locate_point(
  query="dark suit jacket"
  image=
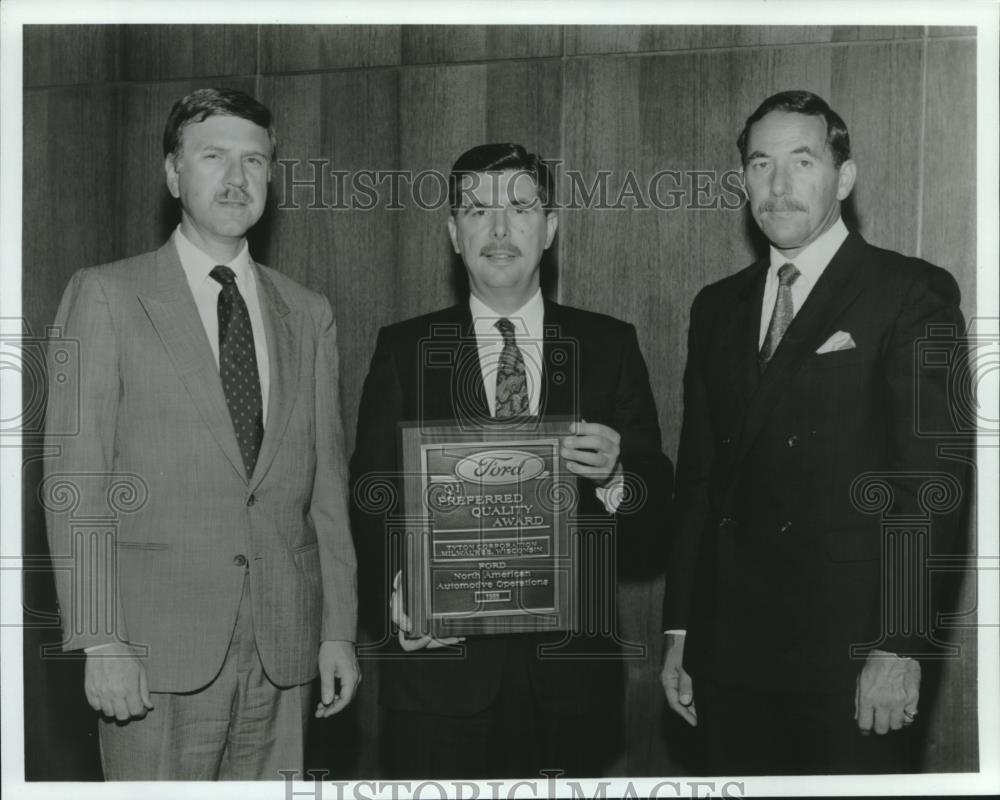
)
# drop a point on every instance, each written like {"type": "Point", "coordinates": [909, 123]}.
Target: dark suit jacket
{"type": "Point", "coordinates": [776, 569]}
{"type": "Point", "coordinates": [603, 379]}
{"type": "Point", "coordinates": [155, 444]}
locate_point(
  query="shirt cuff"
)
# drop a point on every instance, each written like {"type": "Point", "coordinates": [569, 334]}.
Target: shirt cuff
{"type": "Point", "coordinates": [612, 492]}
{"type": "Point", "coordinates": [676, 632]}
{"type": "Point", "coordinates": [96, 647]}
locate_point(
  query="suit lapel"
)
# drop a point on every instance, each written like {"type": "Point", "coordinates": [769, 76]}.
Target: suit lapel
{"type": "Point", "coordinates": [449, 378]}
{"type": "Point", "coordinates": [282, 328]}
{"type": "Point", "coordinates": [172, 312]}
{"type": "Point", "coordinates": [837, 288]}
{"type": "Point", "coordinates": [746, 330]}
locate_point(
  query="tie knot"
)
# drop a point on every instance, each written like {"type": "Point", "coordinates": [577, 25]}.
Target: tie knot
{"type": "Point", "coordinates": [506, 328]}
{"type": "Point", "coordinates": [223, 275]}
{"type": "Point", "coordinates": [787, 274]}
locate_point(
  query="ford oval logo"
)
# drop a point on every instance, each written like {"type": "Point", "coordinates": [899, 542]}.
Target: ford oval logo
{"type": "Point", "coordinates": [500, 466]}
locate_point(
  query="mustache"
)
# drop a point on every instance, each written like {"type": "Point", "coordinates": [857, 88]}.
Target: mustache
{"type": "Point", "coordinates": [507, 249]}
{"type": "Point", "coordinates": [233, 195]}
{"type": "Point", "coordinates": [787, 204]}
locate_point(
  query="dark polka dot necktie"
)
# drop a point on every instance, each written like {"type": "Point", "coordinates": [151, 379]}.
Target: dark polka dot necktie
{"type": "Point", "coordinates": [238, 368]}
{"type": "Point", "coordinates": [784, 311]}
{"type": "Point", "coordinates": [512, 382]}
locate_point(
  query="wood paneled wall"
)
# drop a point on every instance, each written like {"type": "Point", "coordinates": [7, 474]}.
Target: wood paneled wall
{"type": "Point", "coordinates": [632, 100]}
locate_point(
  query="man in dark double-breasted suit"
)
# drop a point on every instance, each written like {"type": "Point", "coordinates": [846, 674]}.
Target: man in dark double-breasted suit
{"type": "Point", "coordinates": [809, 420]}
{"type": "Point", "coordinates": [502, 706]}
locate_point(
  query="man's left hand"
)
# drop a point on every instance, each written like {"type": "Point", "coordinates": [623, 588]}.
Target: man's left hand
{"type": "Point", "coordinates": [592, 451]}
{"type": "Point", "coordinates": [337, 662]}
{"type": "Point", "coordinates": [888, 690]}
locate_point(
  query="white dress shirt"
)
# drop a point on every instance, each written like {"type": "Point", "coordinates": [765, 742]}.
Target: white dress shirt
{"type": "Point", "coordinates": [810, 263]}
{"type": "Point", "coordinates": [197, 266]}
{"type": "Point", "coordinates": [528, 321]}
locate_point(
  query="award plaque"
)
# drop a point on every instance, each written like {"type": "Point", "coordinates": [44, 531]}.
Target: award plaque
{"type": "Point", "coordinates": [487, 545]}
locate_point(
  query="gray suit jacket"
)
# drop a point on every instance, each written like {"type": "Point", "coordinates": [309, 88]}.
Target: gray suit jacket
{"type": "Point", "coordinates": [150, 513]}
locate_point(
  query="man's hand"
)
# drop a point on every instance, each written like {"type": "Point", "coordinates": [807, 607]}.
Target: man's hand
{"type": "Point", "coordinates": [676, 682]}
{"type": "Point", "coordinates": [592, 451]}
{"type": "Point", "coordinates": [888, 690]}
{"type": "Point", "coordinates": [115, 682]}
{"type": "Point", "coordinates": [336, 662]}
{"type": "Point", "coordinates": [402, 621]}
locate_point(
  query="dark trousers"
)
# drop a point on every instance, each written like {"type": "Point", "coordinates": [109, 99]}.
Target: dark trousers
{"type": "Point", "coordinates": [513, 737]}
{"type": "Point", "coordinates": [744, 732]}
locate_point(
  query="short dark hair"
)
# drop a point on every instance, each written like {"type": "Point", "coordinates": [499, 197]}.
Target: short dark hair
{"type": "Point", "coordinates": [204, 103]}
{"type": "Point", "coordinates": [802, 102]}
{"type": "Point", "coordinates": [498, 158]}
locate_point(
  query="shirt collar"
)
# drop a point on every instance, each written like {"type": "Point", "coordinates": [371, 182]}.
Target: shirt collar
{"type": "Point", "coordinates": [198, 264]}
{"type": "Point", "coordinates": [818, 254]}
{"type": "Point", "coordinates": [527, 319]}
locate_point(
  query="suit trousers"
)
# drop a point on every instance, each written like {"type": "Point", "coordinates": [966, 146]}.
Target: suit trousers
{"type": "Point", "coordinates": [746, 732]}
{"type": "Point", "coordinates": [239, 727]}
{"type": "Point", "coordinates": [513, 737]}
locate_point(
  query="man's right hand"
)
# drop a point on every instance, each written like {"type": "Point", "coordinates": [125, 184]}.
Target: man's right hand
{"type": "Point", "coordinates": [115, 682]}
{"type": "Point", "coordinates": [402, 621]}
{"type": "Point", "coordinates": [676, 682]}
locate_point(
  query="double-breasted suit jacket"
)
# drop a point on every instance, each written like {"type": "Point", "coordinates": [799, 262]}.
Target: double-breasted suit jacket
{"type": "Point", "coordinates": [777, 566]}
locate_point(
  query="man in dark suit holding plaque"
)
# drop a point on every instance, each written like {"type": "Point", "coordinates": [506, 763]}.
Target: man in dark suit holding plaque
{"type": "Point", "coordinates": [811, 479]}
{"type": "Point", "coordinates": [500, 705]}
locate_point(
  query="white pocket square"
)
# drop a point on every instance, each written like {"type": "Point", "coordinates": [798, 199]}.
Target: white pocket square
{"type": "Point", "coordinates": [841, 340]}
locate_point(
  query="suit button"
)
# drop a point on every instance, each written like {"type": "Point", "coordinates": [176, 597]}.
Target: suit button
{"type": "Point", "coordinates": [785, 527]}
{"type": "Point", "coordinates": [240, 560]}
{"type": "Point", "coordinates": [727, 441]}
{"type": "Point", "coordinates": [725, 522]}
{"type": "Point", "coordinates": [793, 440]}
{"type": "Point", "coordinates": [251, 500]}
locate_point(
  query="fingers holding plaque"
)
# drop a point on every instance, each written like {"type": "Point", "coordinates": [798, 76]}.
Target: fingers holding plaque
{"type": "Point", "coordinates": [487, 529]}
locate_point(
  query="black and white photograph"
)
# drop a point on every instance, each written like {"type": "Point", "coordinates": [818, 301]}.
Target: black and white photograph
{"type": "Point", "coordinates": [496, 401]}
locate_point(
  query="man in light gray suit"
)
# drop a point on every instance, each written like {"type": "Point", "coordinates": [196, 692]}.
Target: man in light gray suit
{"type": "Point", "coordinates": [211, 383]}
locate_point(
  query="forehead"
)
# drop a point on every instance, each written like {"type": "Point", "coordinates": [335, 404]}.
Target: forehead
{"type": "Point", "coordinates": [784, 131]}
{"type": "Point", "coordinates": [498, 188]}
{"type": "Point", "coordinates": [226, 132]}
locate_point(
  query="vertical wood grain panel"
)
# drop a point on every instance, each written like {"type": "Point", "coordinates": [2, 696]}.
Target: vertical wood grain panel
{"type": "Point", "coordinates": [70, 54]}
{"type": "Point", "coordinates": [164, 52]}
{"type": "Point", "coordinates": [71, 207]}
{"type": "Point", "coordinates": [437, 44]}
{"type": "Point", "coordinates": [348, 121]}
{"type": "Point", "coordinates": [949, 191]}
{"type": "Point", "coordinates": [883, 118]}
{"type": "Point", "coordinates": [604, 39]}
{"type": "Point", "coordinates": [610, 260]}
{"type": "Point", "coordinates": [309, 48]}
{"type": "Point", "coordinates": [443, 111]}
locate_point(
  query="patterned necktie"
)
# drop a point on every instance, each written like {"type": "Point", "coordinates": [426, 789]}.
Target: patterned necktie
{"type": "Point", "coordinates": [784, 311]}
{"type": "Point", "coordinates": [238, 368]}
{"type": "Point", "coordinates": [512, 383]}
